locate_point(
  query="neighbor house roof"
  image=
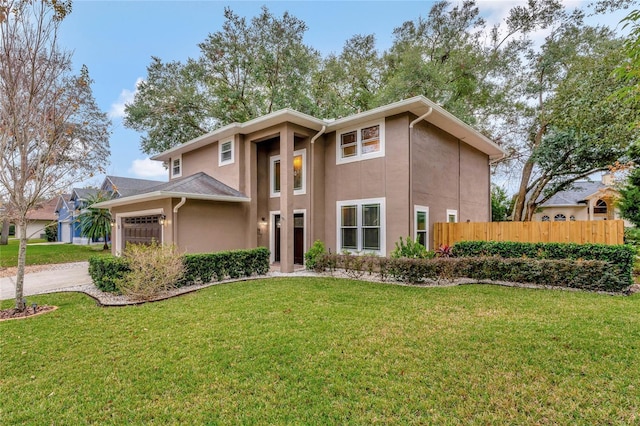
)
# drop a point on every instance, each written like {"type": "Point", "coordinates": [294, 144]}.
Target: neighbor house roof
{"type": "Point", "coordinates": [576, 195]}
{"type": "Point", "coordinates": [124, 186]}
{"type": "Point", "coordinates": [63, 200]}
{"type": "Point", "coordinates": [199, 186]}
{"type": "Point", "coordinates": [44, 211]}
{"type": "Point", "coordinates": [83, 193]}
{"type": "Point", "coordinates": [418, 105]}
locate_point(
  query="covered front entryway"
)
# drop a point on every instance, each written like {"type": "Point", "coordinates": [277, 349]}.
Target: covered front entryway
{"type": "Point", "coordinates": [141, 230]}
{"type": "Point", "coordinates": [298, 238]}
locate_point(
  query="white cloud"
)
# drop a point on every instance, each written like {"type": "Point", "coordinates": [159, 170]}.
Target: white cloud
{"type": "Point", "coordinates": [126, 97]}
{"type": "Point", "coordinates": [148, 168]}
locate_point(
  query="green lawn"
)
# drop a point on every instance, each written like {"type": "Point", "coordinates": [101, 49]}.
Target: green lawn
{"type": "Point", "coordinates": [38, 254]}
{"type": "Point", "coordinates": [327, 351]}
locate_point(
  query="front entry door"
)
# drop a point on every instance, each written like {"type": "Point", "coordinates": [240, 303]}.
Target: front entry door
{"type": "Point", "coordinates": [298, 238]}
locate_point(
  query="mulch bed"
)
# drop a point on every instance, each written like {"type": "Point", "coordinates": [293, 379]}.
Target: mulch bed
{"type": "Point", "coordinates": [9, 314]}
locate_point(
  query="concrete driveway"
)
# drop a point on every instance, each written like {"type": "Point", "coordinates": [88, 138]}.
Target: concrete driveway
{"type": "Point", "coordinates": [56, 278]}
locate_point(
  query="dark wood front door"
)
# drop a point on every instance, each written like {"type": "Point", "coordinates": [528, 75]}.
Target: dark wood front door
{"type": "Point", "coordinates": [298, 238]}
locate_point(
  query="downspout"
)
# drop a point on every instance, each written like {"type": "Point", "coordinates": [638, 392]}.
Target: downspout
{"type": "Point", "coordinates": [175, 219]}
{"type": "Point", "coordinates": [413, 123]}
{"type": "Point", "coordinates": [312, 191]}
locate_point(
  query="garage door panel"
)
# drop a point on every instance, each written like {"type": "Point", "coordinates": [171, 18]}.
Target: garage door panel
{"type": "Point", "coordinates": [141, 229]}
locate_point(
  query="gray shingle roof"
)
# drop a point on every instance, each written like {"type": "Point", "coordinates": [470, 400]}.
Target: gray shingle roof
{"type": "Point", "coordinates": [579, 192]}
{"type": "Point", "coordinates": [83, 193]}
{"type": "Point", "coordinates": [125, 186]}
{"type": "Point", "coordinates": [197, 184]}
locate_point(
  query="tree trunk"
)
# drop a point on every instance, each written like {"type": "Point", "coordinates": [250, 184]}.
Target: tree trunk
{"type": "Point", "coordinates": [22, 257]}
{"type": "Point", "coordinates": [4, 238]}
{"type": "Point", "coordinates": [518, 210]}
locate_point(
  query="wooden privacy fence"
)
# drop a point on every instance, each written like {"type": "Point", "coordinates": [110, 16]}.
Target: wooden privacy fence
{"type": "Point", "coordinates": [596, 231]}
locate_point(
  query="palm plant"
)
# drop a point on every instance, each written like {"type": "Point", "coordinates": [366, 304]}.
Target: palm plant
{"type": "Point", "coordinates": [96, 223]}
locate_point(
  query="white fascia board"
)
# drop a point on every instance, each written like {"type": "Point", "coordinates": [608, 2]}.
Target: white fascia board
{"type": "Point", "coordinates": [441, 118]}
{"type": "Point", "coordinates": [259, 123]}
{"type": "Point", "coordinates": [159, 195]}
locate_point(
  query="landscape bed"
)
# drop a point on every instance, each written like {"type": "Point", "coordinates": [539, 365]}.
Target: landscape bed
{"type": "Point", "coordinates": [327, 350]}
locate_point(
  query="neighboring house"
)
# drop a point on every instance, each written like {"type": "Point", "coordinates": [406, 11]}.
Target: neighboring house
{"type": "Point", "coordinates": [65, 215]}
{"type": "Point", "coordinates": [286, 179]}
{"type": "Point", "coordinates": [70, 206]}
{"type": "Point", "coordinates": [587, 200]}
{"type": "Point", "coordinates": [39, 218]}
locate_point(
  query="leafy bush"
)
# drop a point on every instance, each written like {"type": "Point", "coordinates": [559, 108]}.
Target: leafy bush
{"type": "Point", "coordinates": [51, 232]}
{"type": "Point", "coordinates": [314, 253]}
{"type": "Point", "coordinates": [444, 251]}
{"type": "Point", "coordinates": [207, 267]}
{"type": "Point", "coordinates": [620, 257]}
{"type": "Point", "coordinates": [410, 249]}
{"type": "Point", "coordinates": [105, 271]}
{"type": "Point", "coordinates": [594, 275]}
{"type": "Point", "coordinates": [153, 269]}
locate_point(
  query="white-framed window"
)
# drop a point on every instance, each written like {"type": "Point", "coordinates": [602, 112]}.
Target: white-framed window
{"type": "Point", "coordinates": [572, 218]}
{"type": "Point", "coordinates": [226, 153]}
{"type": "Point", "coordinates": [299, 173]}
{"type": "Point", "coordinates": [176, 167]}
{"type": "Point", "coordinates": [361, 225]}
{"type": "Point", "coordinates": [452, 216]}
{"type": "Point", "coordinates": [559, 218]}
{"type": "Point", "coordinates": [365, 142]}
{"type": "Point", "coordinates": [545, 218]}
{"type": "Point", "coordinates": [421, 225]}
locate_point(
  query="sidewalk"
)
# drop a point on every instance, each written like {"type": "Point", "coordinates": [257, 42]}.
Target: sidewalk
{"type": "Point", "coordinates": [57, 277]}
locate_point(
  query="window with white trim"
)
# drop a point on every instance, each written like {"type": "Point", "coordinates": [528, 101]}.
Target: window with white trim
{"type": "Point", "coordinates": [299, 173]}
{"type": "Point", "coordinates": [176, 167]}
{"type": "Point", "coordinates": [226, 153]}
{"type": "Point", "coordinates": [421, 225]}
{"type": "Point", "coordinates": [361, 225]}
{"type": "Point", "coordinates": [559, 218]}
{"type": "Point", "coordinates": [452, 216]}
{"type": "Point", "coordinates": [545, 218]}
{"type": "Point", "coordinates": [361, 143]}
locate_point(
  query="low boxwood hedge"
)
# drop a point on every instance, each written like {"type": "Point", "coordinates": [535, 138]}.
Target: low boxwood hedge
{"type": "Point", "coordinates": [199, 268]}
{"type": "Point", "coordinates": [620, 258]}
{"type": "Point", "coordinates": [592, 275]}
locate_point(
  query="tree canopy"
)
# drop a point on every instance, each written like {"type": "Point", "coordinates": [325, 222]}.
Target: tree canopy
{"type": "Point", "coordinates": [547, 103]}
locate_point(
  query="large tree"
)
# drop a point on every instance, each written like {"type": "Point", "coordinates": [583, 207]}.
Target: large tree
{"type": "Point", "coordinates": [573, 126]}
{"type": "Point", "coordinates": [52, 133]}
{"type": "Point", "coordinates": [245, 70]}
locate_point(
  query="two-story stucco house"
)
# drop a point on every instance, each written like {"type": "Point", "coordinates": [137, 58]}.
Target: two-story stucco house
{"type": "Point", "coordinates": [286, 179]}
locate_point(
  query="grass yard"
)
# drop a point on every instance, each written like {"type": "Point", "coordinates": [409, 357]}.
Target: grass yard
{"type": "Point", "coordinates": [327, 351]}
{"type": "Point", "coordinates": [42, 254]}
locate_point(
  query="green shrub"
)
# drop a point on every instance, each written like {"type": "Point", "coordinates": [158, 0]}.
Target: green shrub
{"type": "Point", "coordinates": [105, 271]}
{"type": "Point", "coordinates": [314, 253]}
{"type": "Point", "coordinates": [208, 267]}
{"type": "Point", "coordinates": [153, 269]}
{"type": "Point", "coordinates": [593, 275]}
{"type": "Point", "coordinates": [410, 249]}
{"type": "Point", "coordinates": [620, 257]}
{"type": "Point", "coordinates": [51, 232]}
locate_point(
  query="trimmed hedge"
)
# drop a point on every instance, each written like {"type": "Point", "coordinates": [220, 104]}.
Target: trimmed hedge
{"type": "Point", "coordinates": [620, 258]}
{"type": "Point", "coordinates": [593, 275]}
{"type": "Point", "coordinates": [199, 268]}
{"type": "Point", "coordinates": [207, 267]}
{"type": "Point", "coordinates": [106, 270]}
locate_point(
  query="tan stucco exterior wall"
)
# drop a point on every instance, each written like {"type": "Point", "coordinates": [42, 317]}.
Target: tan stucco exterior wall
{"type": "Point", "coordinates": [207, 226]}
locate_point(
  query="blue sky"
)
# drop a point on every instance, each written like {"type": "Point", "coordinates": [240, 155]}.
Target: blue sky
{"type": "Point", "coordinates": [116, 40]}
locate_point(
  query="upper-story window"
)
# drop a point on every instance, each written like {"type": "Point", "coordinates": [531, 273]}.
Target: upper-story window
{"type": "Point", "coordinates": [226, 153]}
{"type": "Point", "coordinates": [361, 143]}
{"type": "Point", "coordinates": [176, 167]}
{"type": "Point", "coordinates": [299, 172]}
